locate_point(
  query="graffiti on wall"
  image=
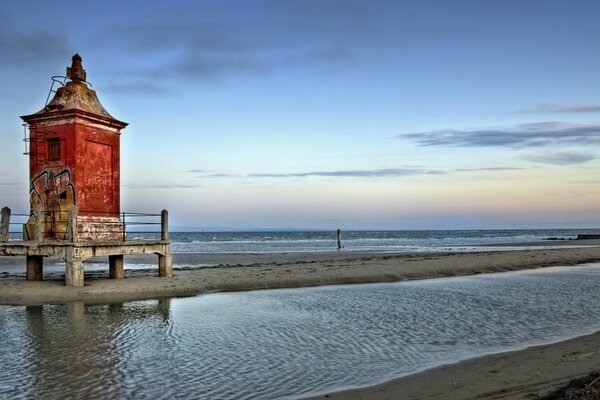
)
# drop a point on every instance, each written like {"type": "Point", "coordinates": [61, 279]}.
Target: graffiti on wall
{"type": "Point", "coordinates": [52, 193]}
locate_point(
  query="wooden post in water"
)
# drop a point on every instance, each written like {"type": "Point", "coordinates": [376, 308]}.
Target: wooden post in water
{"type": "Point", "coordinates": [338, 236]}
{"type": "Point", "coordinates": [4, 224]}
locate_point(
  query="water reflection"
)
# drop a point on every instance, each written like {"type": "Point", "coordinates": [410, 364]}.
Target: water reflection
{"type": "Point", "coordinates": [83, 350]}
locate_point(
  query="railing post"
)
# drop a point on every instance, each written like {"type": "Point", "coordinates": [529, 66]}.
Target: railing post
{"type": "Point", "coordinates": [164, 225]}
{"type": "Point", "coordinates": [4, 224]}
{"type": "Point", "coordinates": [38, 235]}
{"type": "Point", "coordinates": [165, 260]}
{"type": "Point", "coordinates": [124, 227]}
{"type": "Point", "coordinates": [71, 235]}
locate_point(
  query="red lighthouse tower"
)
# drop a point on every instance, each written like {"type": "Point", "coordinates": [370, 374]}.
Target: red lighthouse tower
{"type": "Point", "coordinates": [74, 165]}
{"type": "Point", "coordinates": [75, 188]}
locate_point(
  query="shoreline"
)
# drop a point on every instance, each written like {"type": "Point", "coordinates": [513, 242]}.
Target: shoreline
{"type": "Point", "coordinates": [518, 374]}
{"type": "Point", "coordinates": [238, 272]}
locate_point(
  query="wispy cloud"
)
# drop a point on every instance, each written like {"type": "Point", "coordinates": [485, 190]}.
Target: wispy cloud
{"type": "Point", "coordinates": [560, 158]}
{"type": "Point", "coordinates": [564, 108]}
{"type": "Point", "coordinates": [518, 136]}
{"type": "Point", "coordinates": [586, 182]}
{"type": "Point", "coordinates": [137, 88]}
{"type": "Point", "coordinates": [374, 173]}
{"type": "Point", "coordinates": [206, 43]}
{"type": "Point", "coordinates": [199, 171]}
{"type": "Point", "coordinates": [209, 41]}
{"type": "Point", "coordinates": [489, 169]}
{"type": "Point", "coordinates": [223, 175]}
{"type": "Point", "coordinates": [203, 173]}
{"type": "Point", "coordinates": [165, 186]}
{"type": "Point", "coordinates": [197, 65]}
{"type": "Point", "coordinates": [30, 45]}
{"type": "Point", "coordinates": [359, 173]}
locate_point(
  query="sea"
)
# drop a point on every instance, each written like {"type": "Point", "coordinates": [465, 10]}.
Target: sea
{"type": "Point", "coordinates": [357, 240]}
{"type": "Point", "coordinates": [281, 241]}
{"type": "Point", "coordinates": [286, 343]}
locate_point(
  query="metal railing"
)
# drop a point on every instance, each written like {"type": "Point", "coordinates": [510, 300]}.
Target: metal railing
{"type": "Point", "coordinates": [6, 223]}
{"type": "Point", "coordinates": [75, 225]}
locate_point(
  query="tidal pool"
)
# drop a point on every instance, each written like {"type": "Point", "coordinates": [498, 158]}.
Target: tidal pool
{"type": "Point", "coordinates": [286, 343]}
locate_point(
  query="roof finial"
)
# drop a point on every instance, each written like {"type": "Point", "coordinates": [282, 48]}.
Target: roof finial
{"type": "Point", "coordinates": [76, 71]}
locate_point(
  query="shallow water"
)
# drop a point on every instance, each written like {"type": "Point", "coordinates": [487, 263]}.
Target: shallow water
{"type": "Point", "coordinates": [325, 241]}
{"type": "Point", "coordinates": [286, 343]}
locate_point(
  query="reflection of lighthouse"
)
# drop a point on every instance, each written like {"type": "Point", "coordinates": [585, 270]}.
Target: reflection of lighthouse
{"type": "Point", "coordinates": [68, 345]}
{"type": "Point", "coordinates": [74, 161]}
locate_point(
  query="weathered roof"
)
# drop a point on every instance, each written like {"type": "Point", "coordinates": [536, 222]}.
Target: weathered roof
{"type": "Point", "coordinates": [75, 95]}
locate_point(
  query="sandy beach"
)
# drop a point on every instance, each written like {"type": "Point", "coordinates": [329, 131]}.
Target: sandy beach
{"type": "Point", "coordinates": [513, 375]}
{"type": "Point", "coordinates": [231, 272]}
{"type": "Point", "coordinates": [523, 374]}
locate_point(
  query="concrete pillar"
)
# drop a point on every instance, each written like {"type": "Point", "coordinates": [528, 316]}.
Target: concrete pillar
{"type": "Point", "coordinates": [74, 273]}
{"type": "Point", "coordinates": [115, 267]}
{"type": "Point", "coordinates": [165, 265]}
{"type": "Point", "coordinates": [73, 268]}
{"type": "Point", "coordinates": [38, 234]}
{"type": "Point", "coordinates": [71, 234]}
{"type": "Point", "coordinates": [35, 268]}
{"type": "Point", "coordinates": [4, 224]}
{"type": "Point", "coordinates": [164, 225]}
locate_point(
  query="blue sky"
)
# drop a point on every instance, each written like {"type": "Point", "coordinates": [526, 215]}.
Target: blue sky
{"type": "Point", "coordinates": [325, 114]}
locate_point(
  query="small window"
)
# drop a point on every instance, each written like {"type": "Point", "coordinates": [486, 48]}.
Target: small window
{"type": "Point", "coordinates": [54, 149]}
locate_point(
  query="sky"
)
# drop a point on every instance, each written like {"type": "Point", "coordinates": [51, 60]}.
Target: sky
{"type": "Point", "coordinates": [447, 114]}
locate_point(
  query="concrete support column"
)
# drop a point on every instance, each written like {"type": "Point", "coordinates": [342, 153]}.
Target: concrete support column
{"type": "Point", "coordinates": [35, 268]}
{"type": "Point", "coordinates": [4, 224]}
{"type": "Point", "coordinates": [73, 268]}
{"type": "Point", "coordinates": [38, 234]}
{"type": "Point", "coordinates": [71, 233]}
{"type": "Point", "coordinates": [115, 267]}
{"type": "Point", "coordinates": [165, 265]}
